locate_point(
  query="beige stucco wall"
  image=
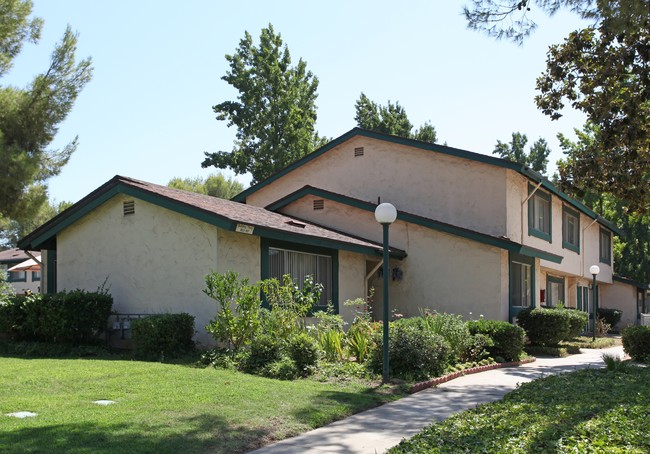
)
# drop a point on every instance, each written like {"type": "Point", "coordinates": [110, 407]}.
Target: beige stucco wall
{"type": "Point", "coordinates": [573, 264]}
{"type": "Point", "coordinates": [622, 296]}
{"type": "Point", "coordinates": [154, 261]}
{"type": "Point", "coordinates": [458, 191]}
{"type": "Point", "coordinates": [352, 277]}
{"type": "Point", "coordinates": [442, 272]}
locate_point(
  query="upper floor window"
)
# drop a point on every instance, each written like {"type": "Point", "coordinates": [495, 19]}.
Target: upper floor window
{"type": "Point", "coordinates": [570, 230]}
{"type": "Point", "coordinates": [605, 247]}
{"type": "Point", "coordinates": [539, 215]}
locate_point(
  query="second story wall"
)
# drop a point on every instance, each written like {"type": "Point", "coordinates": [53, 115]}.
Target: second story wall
{"type": "Point", "coordinates": [562, 230]}
{"type": "Point", "coordinates": [435, 185]}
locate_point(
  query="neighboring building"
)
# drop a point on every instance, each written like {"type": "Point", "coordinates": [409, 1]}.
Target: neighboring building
{"type": "Point", "coordinates": [474, 235]}
{"type": "Point", "coordinates": [22, 281]}
{"type": "Point", "coordinates": [628, 296]}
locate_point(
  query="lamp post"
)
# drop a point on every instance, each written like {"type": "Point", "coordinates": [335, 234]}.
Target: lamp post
{"type": "Point", "coordinates": [385, 214]}
{"type": "Point", "coordinates": [594, 270]}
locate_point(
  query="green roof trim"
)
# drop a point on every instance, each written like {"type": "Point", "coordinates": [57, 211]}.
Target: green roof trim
{"type": "Point", "coordinates": [631, 282]}
{"type": "Point", "coordinates": [483, 238]}
{"type": "Point", "coordinates": [457, 152]}
{"type": "Point", "coordinates": [45, 235]}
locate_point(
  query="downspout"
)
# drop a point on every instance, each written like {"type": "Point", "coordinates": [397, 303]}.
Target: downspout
{"type": "Point", "coordinates": [582, 262]}
{"type": "Point", "coordinates": [374, 270]}
{"type": "Point", "coordinates": [522, 209]}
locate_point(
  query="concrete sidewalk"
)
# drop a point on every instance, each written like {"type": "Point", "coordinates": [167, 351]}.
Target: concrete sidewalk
{"type": "Point", "coordinates": [378, 429]}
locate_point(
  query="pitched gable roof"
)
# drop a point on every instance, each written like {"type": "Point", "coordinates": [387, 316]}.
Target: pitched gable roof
{"type": "Point", "coordinates": [491, 240]}
{"type": "Point", "coordinates": [222, 213]}
{"type": "Point", "coordinates": [15, 255]}
{"type": "Point", "coordinates": [436, 148]}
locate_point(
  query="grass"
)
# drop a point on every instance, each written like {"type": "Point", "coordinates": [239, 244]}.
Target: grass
{"type": "Point", "coordinates": [162, 408]}
{"type": "Point", "coordinates": [589, 411]}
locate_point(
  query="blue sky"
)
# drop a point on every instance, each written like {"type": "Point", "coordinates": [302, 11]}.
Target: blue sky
{"type": "Point", "coordinates": [147, 113]}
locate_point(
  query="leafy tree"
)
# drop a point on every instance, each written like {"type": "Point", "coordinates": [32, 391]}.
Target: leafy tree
{"type": "Point", "coordinates": [11, 230]}
{"type": "Point", "coordinates": [536, 158]}
{"type": "Point", "coordinates": [390, 119]}
{"type": "Point", "coordinates": [512, 19]}
{"type": "Point", "coordinates": [631, 252]}
{"type": "Point", "coordinates": [275, 111]}
{"type": "Point", "coordinates": [215, 185]}
{"type": "Point", "coordinates": [29, 117]}
{"type": "Point", "coordinates": [606, 75]}
{"type": "Point", "coordinates": [602, 70]}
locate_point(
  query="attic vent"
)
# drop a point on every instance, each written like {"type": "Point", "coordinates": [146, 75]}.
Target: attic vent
{"type": "Point", "coordinates": [129, 208]}
{"type": "Point", "coordinates": [319, 204]}
{"type": "Point", "coordinates": [358, 152]}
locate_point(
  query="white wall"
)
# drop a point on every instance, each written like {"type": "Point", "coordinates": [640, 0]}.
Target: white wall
{"type": "Point", "coordinates": [457, 191]}
{"type": "Point", "coordinates": [154, 261]}
{"type": "Point", "coordinates": [622, 296]}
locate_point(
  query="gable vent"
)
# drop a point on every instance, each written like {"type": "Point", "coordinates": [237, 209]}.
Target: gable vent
{"type": "Point", "coordinates": [129, 208]}
{"type": "Point", "coordinates": [319, 204]}
{"type": "Point", "coordinates": [358, 152]}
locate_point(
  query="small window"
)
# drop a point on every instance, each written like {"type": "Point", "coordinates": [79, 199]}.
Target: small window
{"type": "Point", "coordinates": [570, 230]}
{"type": "Point", "coordinates": [129, 208]}
{"type": "Point", "coordinates": [17, 276]}
{"type": "Point", "coordinates": [605, 247]}
{"type": "Point", "coordinates": [319, 204]}
{"type": "Point", "coordinates": [539, 215]}
{"type": "Point", "coordinates": [36, 276]}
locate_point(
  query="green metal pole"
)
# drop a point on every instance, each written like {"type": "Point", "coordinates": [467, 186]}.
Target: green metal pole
{"type": "Point", "coordinates": [385, 323]}
{"type": "Point", "coordinates": [593, 309]}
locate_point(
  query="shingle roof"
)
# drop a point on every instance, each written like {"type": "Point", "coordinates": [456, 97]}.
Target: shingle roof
{"type": "Point", "coordinates": [15, 255]}
{"type": "Point", "coordinates": [221, 212]}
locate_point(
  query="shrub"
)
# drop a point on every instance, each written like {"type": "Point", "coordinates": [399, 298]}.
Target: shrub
{"type": "Point", "coordinates": [636, 342]}
{"type": "Point", "coordinates": [162, 336]}
{"type": "Point", "coordinates": [238, 316]}
{"type": "Point", "coordinates": [414, 353]}
{"type": "Point", "coordinates": [74, 317]}
{"type": "Point", "coordinates": [577, 323]}
{"type": "Point", "coordinates": [282, 369]}
{"type": "Point", "coordinates": [265, 349]}
{"type": "Point", "coordinates": [545, 327]}
{"type": "Point", "coordinates": [476, 348]}
{"type": "Point", "coordinates": [303, 350]}
{"type": "Point", "coordinates": [610, 316]}
{"type": "Point", "coordinates": [452, 328]}
{"type": "Point", "coordinates": [508, 339]}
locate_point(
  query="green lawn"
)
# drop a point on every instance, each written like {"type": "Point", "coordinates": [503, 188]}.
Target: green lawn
{"type": "Point", "coordinates": [590, 411]}
{"type": "Point", "coordinates": [160, 408]}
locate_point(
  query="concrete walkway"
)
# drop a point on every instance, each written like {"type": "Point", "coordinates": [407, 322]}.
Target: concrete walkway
{"type": "Point", "coordinates": [376, 430]}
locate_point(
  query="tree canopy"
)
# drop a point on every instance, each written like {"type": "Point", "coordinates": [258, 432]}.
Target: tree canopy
{"type": "Point", "coordinates": [390, 119]}
{"type": "Point", "coordinates": [275, 111]}
{"type": "Point", "coordinates": [215, 185]}
{"type": "Point", "coordinates": [631, 252]}
{"type": "Point", "coordinates": [11, 230]}
{"type": "Point", "coordinates": [536, 158]}
{"type": "Point", "coordinates": [30, 116]}
{"type": "Point", "coordinates": [602, 70]}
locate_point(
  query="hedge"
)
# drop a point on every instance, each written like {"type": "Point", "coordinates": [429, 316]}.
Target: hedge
{"type": "Point", "coordinates": [610, 316]}
{"type": "Point", "coordinates": [74, 317]}
{"type": "Point", "coordinates": [636, 342]}
{"type": "Point", "coordinates": [157, 337]}
{"type": "Point", "coordinates": [550, 326]}
{"type": "Point", "coordinates": [508, 339]}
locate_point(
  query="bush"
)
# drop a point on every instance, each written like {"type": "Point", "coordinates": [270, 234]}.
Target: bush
{"type": "Point", "coordinates": [545, 327]}
{"type": "Point", "coordinates": [74, 317]}
{"type": "Point", "coordinates": [265, 349]}
{"type": "Point", "coordinates": [163, 336]}
{"type": "Point", "coordinates": [636, 342]}
{"type": "Point", "coordinates": [282, 369]}
{"type": "Point", "coordinates": [508, 339]}
{"type": "Point", "coordinates": [414, 353]}
{"type": "Point", "coordinates": [577, 322]}
{"type": "Point", "coordinates": [303, 350]}
{"type": "Point", "coordinates": [610, 316]}
{"type": "Point", "coordinates": [452, 328]}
